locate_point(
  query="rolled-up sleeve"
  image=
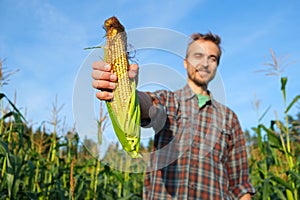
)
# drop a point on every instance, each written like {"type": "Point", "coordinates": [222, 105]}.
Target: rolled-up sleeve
{"type": "Point", "coordinates": [237, 164]}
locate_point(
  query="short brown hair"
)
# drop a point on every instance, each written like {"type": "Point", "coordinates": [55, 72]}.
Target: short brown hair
{"type": "Point", "coordinates": [209, 37]}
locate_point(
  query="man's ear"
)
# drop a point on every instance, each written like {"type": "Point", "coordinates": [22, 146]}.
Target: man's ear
{"type": "Point", "coordinates": [185, 63]}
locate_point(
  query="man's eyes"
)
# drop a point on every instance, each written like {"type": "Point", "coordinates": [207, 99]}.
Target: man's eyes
{"type": "Point", "coordinates": [209, 58]}
{"type": "Point", "coordinates": [198, 55]}
{"type": "Point", "coordinates": [212, 59]}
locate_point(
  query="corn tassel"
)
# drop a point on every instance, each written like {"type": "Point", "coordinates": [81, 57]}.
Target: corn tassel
{"type": "Point", "coordinates": [123, 109]}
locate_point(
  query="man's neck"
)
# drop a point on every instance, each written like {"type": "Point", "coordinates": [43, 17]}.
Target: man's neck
{"type": "Point", "coordinates": [198, 89]}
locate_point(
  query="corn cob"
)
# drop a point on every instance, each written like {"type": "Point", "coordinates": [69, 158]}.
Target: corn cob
{"type": "Point", "coordinates": [124, 108]}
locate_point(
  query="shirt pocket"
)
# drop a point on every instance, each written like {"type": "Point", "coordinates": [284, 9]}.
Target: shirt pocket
{"type": "Point", "coordinates": [176, 124]}
{"type": "Point", "coordinates": [173, 138]}
{"type": "Point", "coordinates": [223, 145]}
{"type": "Point", "coordinates": [206, 141]}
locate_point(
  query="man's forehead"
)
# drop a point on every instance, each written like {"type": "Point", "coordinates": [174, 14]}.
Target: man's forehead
{"type": "Point", "coordinates": [204, 46]}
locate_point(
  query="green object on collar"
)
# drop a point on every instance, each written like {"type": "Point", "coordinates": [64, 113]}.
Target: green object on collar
{"type": "Point", "coordinates": [202, 99]}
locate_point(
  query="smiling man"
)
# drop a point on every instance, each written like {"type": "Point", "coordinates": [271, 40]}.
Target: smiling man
{"type": "Point", "coordinates": [199, 149]}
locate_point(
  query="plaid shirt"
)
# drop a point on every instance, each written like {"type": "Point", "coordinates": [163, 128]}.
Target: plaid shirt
{"type": "Point", "coordinates": [199, 153]}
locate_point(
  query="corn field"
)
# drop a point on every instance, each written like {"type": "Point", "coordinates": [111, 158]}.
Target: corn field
{"type": "Point", "coordinates": [41, 164]}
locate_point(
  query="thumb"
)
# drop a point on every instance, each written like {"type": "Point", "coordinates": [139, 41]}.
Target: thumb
{"type": "Point", "coordinates": [133, 72]}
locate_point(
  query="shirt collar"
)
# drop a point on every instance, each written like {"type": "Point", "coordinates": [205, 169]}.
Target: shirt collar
{"type": "Point", "coordinates": [189, 94]}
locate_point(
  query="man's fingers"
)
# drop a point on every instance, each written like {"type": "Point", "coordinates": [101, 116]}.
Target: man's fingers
{"type": "Point", "coordinates": [102, 84]}
{"type": "Point", "coordinates": [102, 75]}
{"type": "Point", "coordinates": [103, 95]}
{"type": "Point", "coordinates": [104, 80]}
{"type": "Point", "coordinates": [133, 71]}
{"type": "Point", "coordinates": [102, 66]}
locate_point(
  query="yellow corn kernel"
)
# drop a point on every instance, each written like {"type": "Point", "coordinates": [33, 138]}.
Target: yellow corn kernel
{"type": "Point", "coordinates": [117, 58]}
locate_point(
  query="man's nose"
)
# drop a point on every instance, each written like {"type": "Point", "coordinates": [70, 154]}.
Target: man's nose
{"type": "Point", "coordinates": [204, 62]}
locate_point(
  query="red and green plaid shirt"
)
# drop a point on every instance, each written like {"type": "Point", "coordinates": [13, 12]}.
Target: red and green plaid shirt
{"type": "Point", "coordinates": [199, 153]}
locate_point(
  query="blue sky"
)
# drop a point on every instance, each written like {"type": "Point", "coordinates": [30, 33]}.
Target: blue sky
{"type": "Point", "coordinates": [45, 41]}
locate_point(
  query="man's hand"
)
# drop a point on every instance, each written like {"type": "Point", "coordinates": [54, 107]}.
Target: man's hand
{"type": "Point", "coordinates": [246, 197]}
{"type": "Point", "coordinates": [105, 81]}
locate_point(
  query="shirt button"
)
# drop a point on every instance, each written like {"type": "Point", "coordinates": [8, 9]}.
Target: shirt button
{"type": "Point", "coordinates": [192, 186]}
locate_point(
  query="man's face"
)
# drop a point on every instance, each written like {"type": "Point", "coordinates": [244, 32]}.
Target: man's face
{"type": "Point", "coordinates": [202, 61]}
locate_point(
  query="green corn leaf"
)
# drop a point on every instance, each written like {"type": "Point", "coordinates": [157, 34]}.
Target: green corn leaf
{"type": "Point", "coordinates": [128, 197]}
{"type": "Point", "coordinates": [261, 169]}
{"type": "Point", "coordinates": [283, 86]}
{"type": "Point", "coordinates": [3, 148]}
{"type": "Point", "coordinates": [10, 175]}
{"type": "Point", "coordinates": [2, 95]}
{"type": "Point", "coordinates": [292, 103]}
{"type": "Point", "coordinates": [279, 193]}
{"type": "Point", "coordinates": [282, 182]}
{"type": "Point", "coordinates": [10, 169]}
{"type": "Point", "coordinates": [257, 130]}
{"type": "Point", "coordinates": [7, 115]}
{"type": "Point", "coordinates": [127, 124]}
{"type": "Point", "coordinates": [295, 175]}
{"type": "Point", "coordinates": [96, 47]}
{"type": "Point", "coordinates": [12, 105]}
{"type": "Point", "coordinates": [273, 139]}
{"type": "Point", "coordinates": [290, 195]}
{"type": "Point", "coordinates": [264, 113]}
{"type": "Point", "coordinates": [266, 189]}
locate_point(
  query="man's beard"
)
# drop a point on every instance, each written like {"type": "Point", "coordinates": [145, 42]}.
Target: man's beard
{"type": "Point", "coordinates": [198, 82]}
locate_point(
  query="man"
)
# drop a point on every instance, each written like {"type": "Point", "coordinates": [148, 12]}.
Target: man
{"type": "Point", "coordinates": [199, 147]}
